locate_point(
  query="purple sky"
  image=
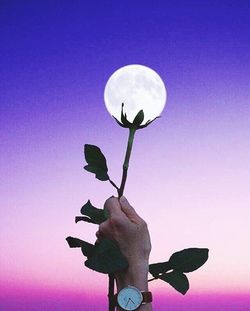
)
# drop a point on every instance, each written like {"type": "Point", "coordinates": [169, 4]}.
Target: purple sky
{"type": "Point", "coordinates": [190, 171]}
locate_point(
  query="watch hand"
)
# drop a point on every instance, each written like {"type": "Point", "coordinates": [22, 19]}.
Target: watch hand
{"type": "Point", "coordinates": [132, 301]}
{"type": "Point", "coordinates": [127, 303]}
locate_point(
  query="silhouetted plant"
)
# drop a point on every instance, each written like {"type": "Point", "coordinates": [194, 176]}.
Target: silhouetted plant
{"type": "Point", "coordinates": [104, 256]}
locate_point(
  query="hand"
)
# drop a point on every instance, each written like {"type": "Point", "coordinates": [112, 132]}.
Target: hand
{"type": "Point", "coordinates": [127, 229]}
{"type": "Point", "coordinates": [130, 232]}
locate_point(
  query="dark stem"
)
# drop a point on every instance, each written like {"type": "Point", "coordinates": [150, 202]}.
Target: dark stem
{"type": "Point", "coordinates": [113, 184]}
{"type": "Point", "coordinates": [151, 279]}
{"type": "Point", "coordinates": [126, 160]}
{"type": "Point", "coordinates": [120, 193]}
{"type": "Point", "coordinates": [111, 292]}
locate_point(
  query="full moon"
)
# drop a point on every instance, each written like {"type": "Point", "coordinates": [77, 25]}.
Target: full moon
{"type": "Point", "coordinates": [138, 87]}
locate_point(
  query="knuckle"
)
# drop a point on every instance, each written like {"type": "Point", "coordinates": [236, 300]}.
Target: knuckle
{"type": "Point", "coordinates": [115, 221]}
{"type": "Point", "coordinates": [102, 228]}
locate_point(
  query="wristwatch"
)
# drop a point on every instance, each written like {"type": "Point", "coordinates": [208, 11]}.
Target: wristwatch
{"type": "Point", "coordinates": [131, 298]}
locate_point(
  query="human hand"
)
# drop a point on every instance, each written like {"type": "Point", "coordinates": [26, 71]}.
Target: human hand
{"type": "Point", "coordinates": [127, 229]}
{"type": "Point", "coordinates": [130, 232]}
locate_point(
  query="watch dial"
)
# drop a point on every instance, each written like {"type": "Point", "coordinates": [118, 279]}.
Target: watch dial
{"type": "Point", "coordinates": [129, 298]}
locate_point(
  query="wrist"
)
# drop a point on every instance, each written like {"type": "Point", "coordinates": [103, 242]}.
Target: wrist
{"type": "Point", "coordinates": [135, 275]}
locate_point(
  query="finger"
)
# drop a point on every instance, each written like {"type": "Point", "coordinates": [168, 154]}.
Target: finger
{"type": "Point", "coordinates": [128, 210]}
{"type": "Point", "coordinates": [104, 231]}
{"type": "Point", "coordinates": [98, 234]}
{"type": "Point", "coordinates": [113, 206]}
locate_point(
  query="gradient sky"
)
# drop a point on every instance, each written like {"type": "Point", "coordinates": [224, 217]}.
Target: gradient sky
{"type": "Point", "coordinates": [190, 171]}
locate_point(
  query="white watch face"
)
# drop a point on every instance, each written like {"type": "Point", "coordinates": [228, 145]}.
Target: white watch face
{"type": "Point", "coordinates": [129, 298]}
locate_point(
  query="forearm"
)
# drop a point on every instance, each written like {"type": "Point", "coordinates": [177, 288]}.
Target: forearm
{"type": "Point", "coordinates": [136, 275]}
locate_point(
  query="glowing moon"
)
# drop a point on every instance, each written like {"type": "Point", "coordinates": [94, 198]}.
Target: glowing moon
{"type": "Point", "coordinates": [138, 87]}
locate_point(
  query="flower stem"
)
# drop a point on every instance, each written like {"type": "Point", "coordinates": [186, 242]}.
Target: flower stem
{"type": "Point", "coordinates": [111, 292]}
{"type": "Point", "coordinates": [113, 184]}
{"type": "Point", "coordinates": [120, 193]}
{"type": "Point", "coordinates": [132, 131]}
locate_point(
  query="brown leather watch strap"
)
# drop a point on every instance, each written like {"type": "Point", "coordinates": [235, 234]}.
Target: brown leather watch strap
{"type": "Point", "coordinates": [147, 297]}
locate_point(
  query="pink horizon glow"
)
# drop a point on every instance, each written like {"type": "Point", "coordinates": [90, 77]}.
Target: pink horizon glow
{"type": "Point", "coordinates": [31, 299]}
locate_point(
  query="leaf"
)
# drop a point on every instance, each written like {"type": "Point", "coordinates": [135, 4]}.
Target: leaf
{"type": "Point", "coordinates": [139, 118]}
{"type": "Point", "coordinates": [188, 259]}
{"type": "Point", "coordinates": [124, 119]}
{"type": "Point", "coordinates": [158, 268]}
{"type": "Point", "coordinates": [95, 215]}
{"type": "Point", "coordinates": [82, 218]}
{"type": "Point", "coordinates": [96, 162]}
{"type": "Point", "coordinates": [87, 248]}
{"type": "Point", "coordinates": [106, 258]}
{"type": "Point", "coordinates": [147, 123]}
{"type": "Point", "coordinates": [177, 280]}
{"type": "Point", "coordinates": [74, 242]}
{"type": "Point", "coordinates": [119, 122]}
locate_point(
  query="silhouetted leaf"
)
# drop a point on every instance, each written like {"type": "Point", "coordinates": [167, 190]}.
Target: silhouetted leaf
{"type": "Point", "coordinates": [119, 122]}
{"type": "Point", "coordinates": [159, 267]}
{"type": "Point", "coordinates": [74, 242]}
{"type": "Point", "coordinates": [106, 258]}
{"type": "Point", "coordinates": [139, 118]}
{"type": "Point", "coordinates": [95, 215]}
{"type": "Point", "coordinates": [96, 162]}
{"type": "Point", "coordinates": [147, 123]}
{"type": "Point", "coordinates": [177, 280]}
{"type": "Point", "coordinates": [188, 259]}
{"type": "Point", "coordinates": [87, 248]}
{"type": "Point", "coordinates": [124, 119]}
{"type": "Point", "coordinates": [82, 218]}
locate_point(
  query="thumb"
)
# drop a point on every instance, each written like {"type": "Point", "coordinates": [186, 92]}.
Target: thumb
{"type": "Point", "coordinates": [128, 210]}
